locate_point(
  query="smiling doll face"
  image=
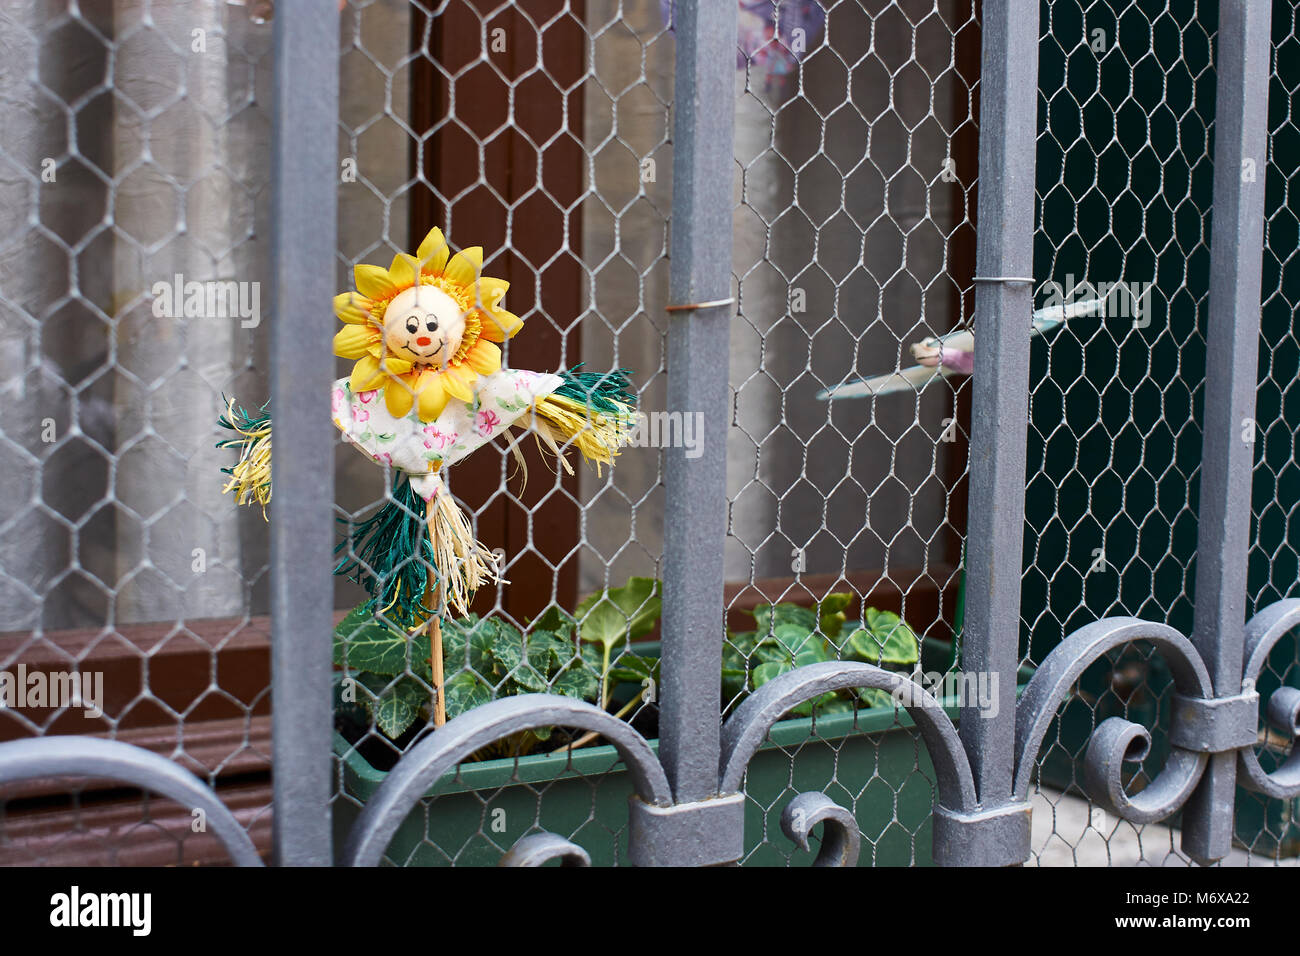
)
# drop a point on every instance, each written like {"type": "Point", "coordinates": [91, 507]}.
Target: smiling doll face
{"type": "Point", "coordinates": [423, 325]}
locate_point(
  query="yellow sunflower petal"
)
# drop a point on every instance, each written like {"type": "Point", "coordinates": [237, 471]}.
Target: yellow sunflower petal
{"type": "Point", "coordinates": [398, 397]}
{"type": "Point", "coordinates": [455, 385]}
{"type": "Point", "coordinates": [354, 341]}
{"type": "Point", "coordinates": [403, 271]}
{"type": "Point", "coordinates": [433, 251]}
{"type": "Point", "coordinates": [464, 373]}
{"type": "Point", "coordinates": [490, 292]}
{"type": "Point", "coordinates": [395, 366]}
{"type": "Point", "coordinates": [366, 374]}
{"type": "Point", "coordinates": [373, 282]}
{"type": "Point", "coordinates": [484, 358]}
{"type": "Point", "coordinates": [499, 325]}
{"type": "Point", "coordinates": [352, 308]}
{"type": "Point", "coordinates": [465, 265]}
{"type": "Point", "coordinates": [433, 396]}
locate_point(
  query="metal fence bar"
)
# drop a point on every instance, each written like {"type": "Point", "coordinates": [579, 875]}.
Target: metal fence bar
{"type": "Point", "coordinates": [1236, 251]}
{"type": "Point", "coordinates": [695, 517]}
{"type": "Point", "coordinates": [999, 418]}
{"type": "Point", "coordinates": [304, 166]}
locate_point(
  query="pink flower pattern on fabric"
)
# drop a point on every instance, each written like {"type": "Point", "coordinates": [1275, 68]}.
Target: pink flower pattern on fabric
{"type": "Point", "coordinates": [413, 446]}
{"type": "Point", "coordinates": [442, 438]}
{"type": "Point", "coordinates": [486, 421]}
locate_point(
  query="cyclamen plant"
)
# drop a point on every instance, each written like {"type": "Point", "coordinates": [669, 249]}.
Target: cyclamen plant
{"type": "Point", "coordinates": [590, 655]}
{"type": "Point", "coordinates": [384, 678]}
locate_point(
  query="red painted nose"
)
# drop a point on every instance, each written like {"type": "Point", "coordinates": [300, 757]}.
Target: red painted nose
{"type": "Point", "coordinates": [423, 340]}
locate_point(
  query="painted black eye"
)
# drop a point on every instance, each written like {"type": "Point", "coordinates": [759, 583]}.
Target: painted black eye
{"type": "Point", "coordinates": [432, 325]}
{"type": "Point", "coordinates": [412, 325]}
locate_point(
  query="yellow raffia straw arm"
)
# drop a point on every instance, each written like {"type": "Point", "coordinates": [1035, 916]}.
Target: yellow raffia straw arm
{"type": "Point", "coordinates": [512, 446]}
{"type": "Point", "coordinates": [250, 477]}
{"type": "Point", "coordinates": [558, 419]}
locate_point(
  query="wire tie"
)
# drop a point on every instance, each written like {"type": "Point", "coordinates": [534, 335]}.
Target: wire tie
{"type": "Point", "coordinates": [1010, 280]}
{"type": "Point", "coordinates": [692, 306]}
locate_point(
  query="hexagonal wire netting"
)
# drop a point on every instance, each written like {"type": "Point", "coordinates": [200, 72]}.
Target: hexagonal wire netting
{"type": "Point", "coordinates": [1124, 189]}
{"type": "Point", "coordinates": [1267, 827]}
{"type": "Point", "coordinates": [808, 178]}
{"type": "Point", "coordinates": [1126, 95]}
{"type": "Point", "coordinates": [541, 131]}
{"type": "Point", "coordinates": [854, 237]}
{"type": "Point", "coordinates": [536, 132]}
{"type": "Point", "coordinates": [134, 151]}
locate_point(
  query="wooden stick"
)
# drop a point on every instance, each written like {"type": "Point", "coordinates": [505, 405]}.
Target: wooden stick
{"type": "Point", "coordinates": [588, 738]}
{"type": "Point", "coordinates": [433, 599]}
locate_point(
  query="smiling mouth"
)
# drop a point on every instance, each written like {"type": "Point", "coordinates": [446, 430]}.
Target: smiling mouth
{"type": "Point", "coordinates": [425, 355]}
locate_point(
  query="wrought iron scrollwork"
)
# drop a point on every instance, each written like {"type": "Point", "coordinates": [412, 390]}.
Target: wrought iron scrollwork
{"type": "Point", "coordinates": [74, 756]}
{"type": "Point", "coordinates": [1263, 631]}
{"type": "Point", "coordinates": [841, 840]}
{"type": "Point", "coordinates": [747, 728]}
{"type": "Point", "coordinates": [1116, 740]}
{"type": "Point", "coordinates": [1203, 722]}
{"type": "Point", "coordinates": [538, 848]}
{"type": "Point", "coordinates": [426, 763]}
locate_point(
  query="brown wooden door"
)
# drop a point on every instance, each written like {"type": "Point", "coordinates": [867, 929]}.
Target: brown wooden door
{"type": "Point", "coordinates": [497, 100]}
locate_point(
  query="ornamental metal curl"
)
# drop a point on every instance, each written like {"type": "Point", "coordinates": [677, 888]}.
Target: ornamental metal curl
{"type": "Point", "coordinates": [1116, 740]}
{"type": "Point", "coordinates": [538, 848]}
{"type": "Point", "coordinates": [426, 763]}
{"type": "Point", "coordinates": [746, 729]}
{"type": "Point", "coordinates": [75, 756]}
{"type": "Point", "coordinates": [1263, 631]}
{"type": "Point", "coordinates": [841, 839]}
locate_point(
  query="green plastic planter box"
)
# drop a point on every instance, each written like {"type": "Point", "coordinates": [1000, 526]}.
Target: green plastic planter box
{"type": "Point", "coordinates": [872, 762]}
{"type": "Point", "coordinates": [878, 768]}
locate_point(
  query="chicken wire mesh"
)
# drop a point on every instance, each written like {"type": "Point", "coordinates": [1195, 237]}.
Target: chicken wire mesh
{"type": "Point", "coordinates": [1119, 386]}
{"type": "Point", "coordinates": [786, 147]}
{"type": "Point", "coordinates": [542, 138]}
{"type": "Point", "coordinates": [543, 132]}
{"type": "Point", "coordinates": [1124, 196]}
{"type": "Point", "coordinates": [1268, 827]}
{"type": "Point", "coordinates": [127, 581]}
{"type": "Point", "coordinates": [862, 154]}
{"type": "Point", "coordinates": [1126, 100]}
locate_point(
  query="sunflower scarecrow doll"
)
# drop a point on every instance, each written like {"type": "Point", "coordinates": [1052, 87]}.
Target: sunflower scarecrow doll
{"type": "Point", "coordinates": [428, 388]}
